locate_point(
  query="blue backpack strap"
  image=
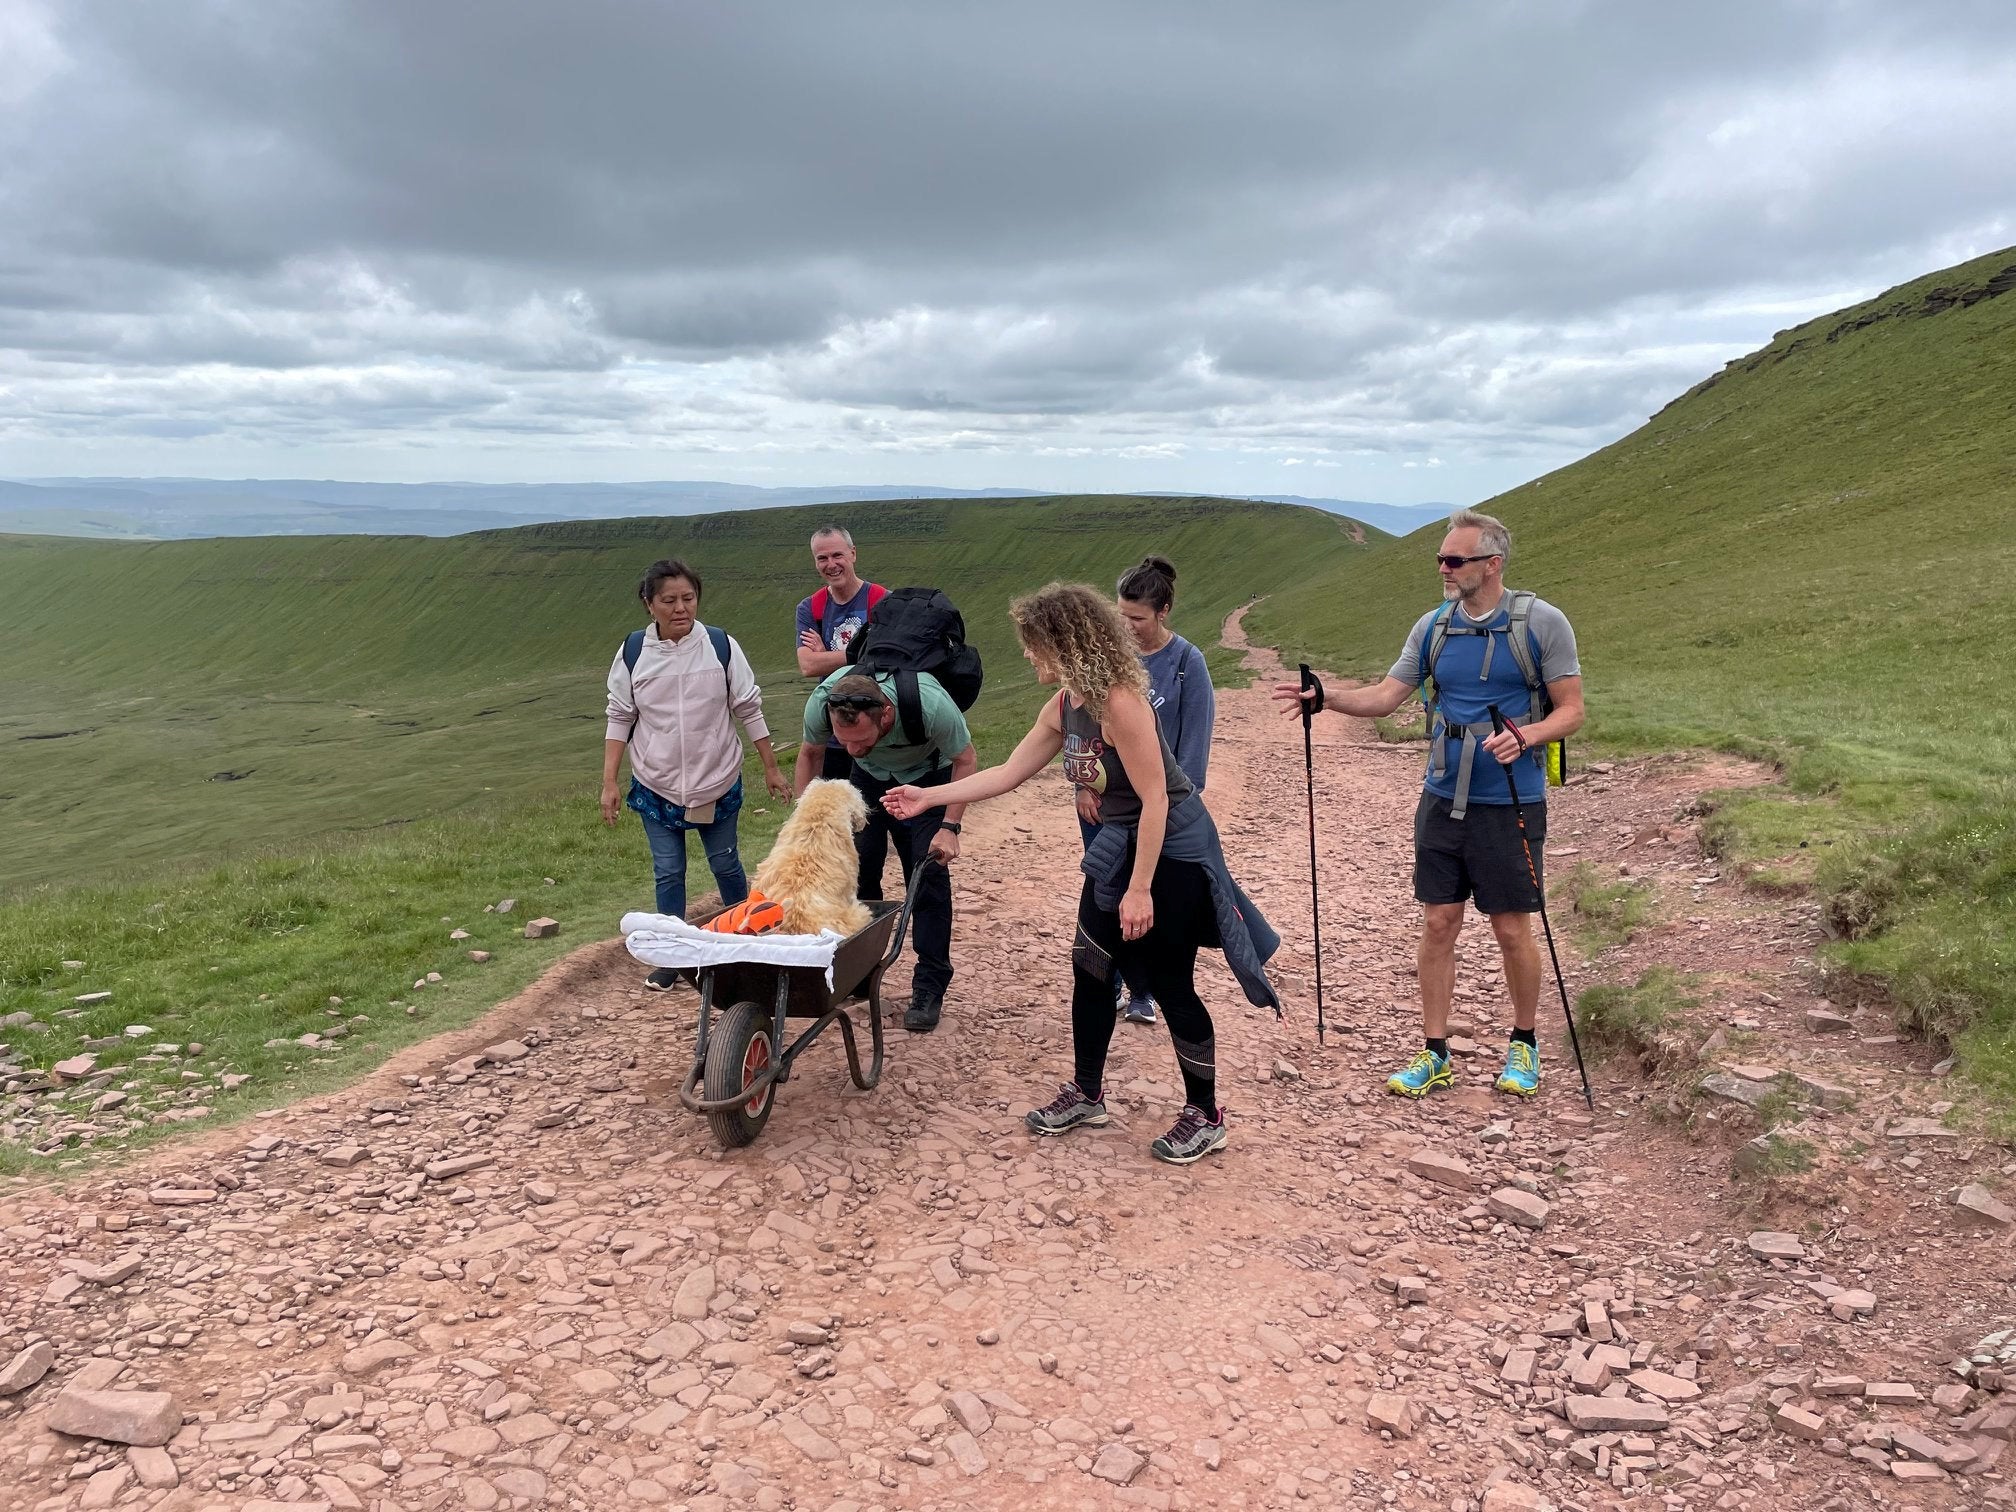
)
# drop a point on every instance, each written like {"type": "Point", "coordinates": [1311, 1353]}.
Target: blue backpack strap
{"type": "Point", "coordinates": [1431, 646]}
{"type": "Point", "coordinates": [633, 647]}
{"type": "Point", "coordinates": [720, 639]}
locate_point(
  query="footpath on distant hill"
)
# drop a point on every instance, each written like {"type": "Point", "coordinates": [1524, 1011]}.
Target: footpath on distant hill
{"type": "Point", "coordinates": [511, 1272]}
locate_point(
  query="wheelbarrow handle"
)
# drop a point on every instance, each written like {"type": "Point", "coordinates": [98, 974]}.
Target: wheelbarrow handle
{"type": "Point", "coordinates": [909, 902]}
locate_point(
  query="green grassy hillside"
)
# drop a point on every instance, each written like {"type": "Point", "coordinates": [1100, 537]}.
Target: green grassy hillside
{"type": "Point", "coordinates": [1802, 556]}
{"type": "Point", "coordinates": [188, 701]}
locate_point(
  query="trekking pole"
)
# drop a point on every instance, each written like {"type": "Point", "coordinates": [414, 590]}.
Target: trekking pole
{"type": "Point", "coordinates": [1498, 725]}
{"type": "Point", "coordinates": [1311, 707]}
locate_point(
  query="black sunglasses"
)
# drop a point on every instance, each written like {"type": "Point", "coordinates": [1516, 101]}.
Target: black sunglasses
{"type": "Point", "coordinates": [1453, 562]}
{"type": "Point", "coordinates": [854, 703]}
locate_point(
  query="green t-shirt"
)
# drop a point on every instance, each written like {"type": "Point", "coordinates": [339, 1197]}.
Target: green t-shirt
{"type": "Point", "coordinates": [895, 758]}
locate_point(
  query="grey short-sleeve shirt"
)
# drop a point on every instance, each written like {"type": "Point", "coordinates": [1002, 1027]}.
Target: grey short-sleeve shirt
{"type": "Point", "coordinates": [1549, 626]}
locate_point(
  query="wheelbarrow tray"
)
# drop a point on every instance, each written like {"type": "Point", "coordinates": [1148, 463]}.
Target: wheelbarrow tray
{"type": "Point", "coordinates": [854, 959]}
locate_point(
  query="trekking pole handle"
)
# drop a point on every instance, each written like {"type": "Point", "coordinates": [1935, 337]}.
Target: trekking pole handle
{"type": "Point", "coordinates": [1311, 707]}
{"type": "Point", "coordinates": [1500, 724]}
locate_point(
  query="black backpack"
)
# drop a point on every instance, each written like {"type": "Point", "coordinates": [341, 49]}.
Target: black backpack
{"type": "Point", "coordinates": [918, 630]}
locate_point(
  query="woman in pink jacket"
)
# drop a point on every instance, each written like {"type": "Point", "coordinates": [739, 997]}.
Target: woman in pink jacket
{"type": "Point", "coordinates": [676, 690]}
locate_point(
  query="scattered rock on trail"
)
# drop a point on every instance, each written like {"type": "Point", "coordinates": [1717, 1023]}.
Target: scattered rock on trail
{"type": "Point", "coordinates": [539, 929]}
{"type": "Point", "coordinates": [1446, 1170]}
{"type": "Point", "coordinates": [1766, 1244]}
{"type": "Point", "coordinates": [26, 1368]}
{"type": "Point", "coordinates": [1978, 1203]}
{"type": "Point", "coordinates": [1392, 1413]}
{"type": "Point", "coordinates": [122, 1417]}
{"type": "Point", "coordinates": [1526, 1209]}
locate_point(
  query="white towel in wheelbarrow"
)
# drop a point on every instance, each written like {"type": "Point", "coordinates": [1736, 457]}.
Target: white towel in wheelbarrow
{"type": "Point", "coordinates": [661, 940]}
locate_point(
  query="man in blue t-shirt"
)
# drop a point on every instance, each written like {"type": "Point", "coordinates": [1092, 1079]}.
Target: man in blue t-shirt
{"type": "Point", "coordinates": [1467, 843]}
{"type": "Point", "coordinates": [829, 619]}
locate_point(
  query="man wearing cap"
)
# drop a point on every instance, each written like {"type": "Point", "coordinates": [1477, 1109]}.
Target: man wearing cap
{"type": "Point", "coordinates": [893, 741]}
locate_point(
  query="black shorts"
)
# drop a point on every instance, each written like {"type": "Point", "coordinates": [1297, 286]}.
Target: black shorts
{"type": "Point", "coordinates": [1478, 856]}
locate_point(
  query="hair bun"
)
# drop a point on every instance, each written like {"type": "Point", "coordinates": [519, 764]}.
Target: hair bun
{"type": "Point", "coordinates": [1160, 564]}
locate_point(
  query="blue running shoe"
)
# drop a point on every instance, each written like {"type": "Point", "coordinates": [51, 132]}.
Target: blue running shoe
{"type": "Point", "coordinates": [1521, 1076]}
{"type": "Point", "coordinates": [1423, 1075]}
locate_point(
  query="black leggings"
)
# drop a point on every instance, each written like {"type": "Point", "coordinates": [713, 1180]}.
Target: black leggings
{"type": "Point", "coordinates": [1166, 958]}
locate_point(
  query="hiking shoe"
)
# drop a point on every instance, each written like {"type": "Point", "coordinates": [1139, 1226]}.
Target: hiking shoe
{"type": "Point", "coordinates": [1521, 1076]}
{"type": "Point", "coordinates": [1192, 1138]}
{"type": "Point", "coordinates": [1140, 1009]}
{"type": "Point", "coordinates": [921, 1017]}
{"type": "Point", "coordinates": [1423, 1075]}
{"type": "Point", "coordinates": [664, 979]}
{"type": "Point", "coordinates": [1065, 1112]}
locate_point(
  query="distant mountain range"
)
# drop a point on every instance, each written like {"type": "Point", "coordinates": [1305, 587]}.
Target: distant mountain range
{"type": "Point", "coordinates": [165, 509]}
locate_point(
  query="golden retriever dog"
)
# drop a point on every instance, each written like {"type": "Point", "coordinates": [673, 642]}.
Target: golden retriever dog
{"type": "Point", "coordinates": [812, 868]}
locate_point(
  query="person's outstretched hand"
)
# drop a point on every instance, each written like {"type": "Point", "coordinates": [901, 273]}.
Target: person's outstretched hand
{"type": "Point", "coordinates": [779, 785]}
{"type": "Point", "coordinates": [1292, 697]}
{"type": "Point", "coordinates": [612, 803]}
{"type": "Point", "coordinates": [904, 802]}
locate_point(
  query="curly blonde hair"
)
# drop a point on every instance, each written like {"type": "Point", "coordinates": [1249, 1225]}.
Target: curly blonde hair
{"type": "Point", "coordinates": [1076, 627]}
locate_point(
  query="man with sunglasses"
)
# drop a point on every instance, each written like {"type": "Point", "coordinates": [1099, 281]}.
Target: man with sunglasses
{"type": "Point", "coordinates": [1467, 844]}
{"type": "Point", "coordinates": [927, 745]}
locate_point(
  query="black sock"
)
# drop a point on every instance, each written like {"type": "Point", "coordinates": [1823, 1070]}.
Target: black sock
{"type": "Point", "coordinates": [1525, 1037]}
{"type": "Point", "coordinates": [1440, 1047]}
{"type": "Point", "coordinates": [1090, 1094]}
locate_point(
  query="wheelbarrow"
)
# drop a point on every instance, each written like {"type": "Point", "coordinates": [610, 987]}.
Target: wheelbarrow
{"type": "Point", "coordinates": [740, 1057]}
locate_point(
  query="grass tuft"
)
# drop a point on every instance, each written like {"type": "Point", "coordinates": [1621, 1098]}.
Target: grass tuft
{"type": "Point", "coordinates": [1645, 1019]}
{"type": "Point", "coordinates": [1603, 913]}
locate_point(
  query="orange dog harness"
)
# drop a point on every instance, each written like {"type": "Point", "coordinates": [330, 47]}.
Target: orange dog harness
{"type": "Point", "coordinates": [754, 915]}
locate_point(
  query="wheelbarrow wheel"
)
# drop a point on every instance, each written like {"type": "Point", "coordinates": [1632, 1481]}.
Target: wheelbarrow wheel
{"type": "Point", "coordinates": [738, 1053]}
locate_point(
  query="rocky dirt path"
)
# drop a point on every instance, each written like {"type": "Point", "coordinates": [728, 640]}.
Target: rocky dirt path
{"type": "Point", "coordinates": [512, 1272]}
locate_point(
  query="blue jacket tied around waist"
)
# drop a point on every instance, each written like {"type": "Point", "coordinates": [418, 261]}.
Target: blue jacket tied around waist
{"type": "Point", "coordinates": [1247, 939]}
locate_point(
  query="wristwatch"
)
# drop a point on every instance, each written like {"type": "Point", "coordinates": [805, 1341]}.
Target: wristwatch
{"type": "Point", "coordinates": [950, 824]}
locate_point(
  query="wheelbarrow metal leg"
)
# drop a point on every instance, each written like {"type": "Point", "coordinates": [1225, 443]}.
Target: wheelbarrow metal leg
{"type": "Point", "coordinates": [706, 1027]}
{"type": "Point", "coordinates": [777, 1052]}
{"type": "Point", "coordinates": [875, 1043]}
{"type": "Point", "coordinates": [847, 1037]}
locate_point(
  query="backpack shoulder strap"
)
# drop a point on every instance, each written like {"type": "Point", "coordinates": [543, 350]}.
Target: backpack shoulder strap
{"type": "Point", "coordinates": [720, 639]}
{"type": "Point", "coordinates": [876, 593]}
{"type": "Point", "coordinates": [1438, 635]}
{"type": "Point", "coordinates": [819, 602]}
{"type": "Point", "coordinates": [633, 647]}
{"type": "Point", "coordinates": [1519, 640]}
{"type": "Point", "coordinates": [910, 705]}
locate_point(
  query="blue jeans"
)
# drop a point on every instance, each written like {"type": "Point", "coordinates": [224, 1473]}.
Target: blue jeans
{"type": "Point", "coordinates": [668, 862]}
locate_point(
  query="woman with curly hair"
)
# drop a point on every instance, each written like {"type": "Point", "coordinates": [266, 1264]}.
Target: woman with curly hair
{"type": "Point", "coordinates": [1156, 886]}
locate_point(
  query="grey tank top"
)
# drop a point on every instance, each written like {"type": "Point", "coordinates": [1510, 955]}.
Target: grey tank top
{"type": "Point", "coordinates": [1090, 763]}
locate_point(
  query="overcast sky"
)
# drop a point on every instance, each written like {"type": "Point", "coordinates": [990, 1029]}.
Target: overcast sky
{"type": "Point", "coordinates": [1402, 252]}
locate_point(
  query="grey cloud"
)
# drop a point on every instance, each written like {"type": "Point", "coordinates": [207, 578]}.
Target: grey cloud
{"type": "Point", "coordinates": [1351, 228]}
